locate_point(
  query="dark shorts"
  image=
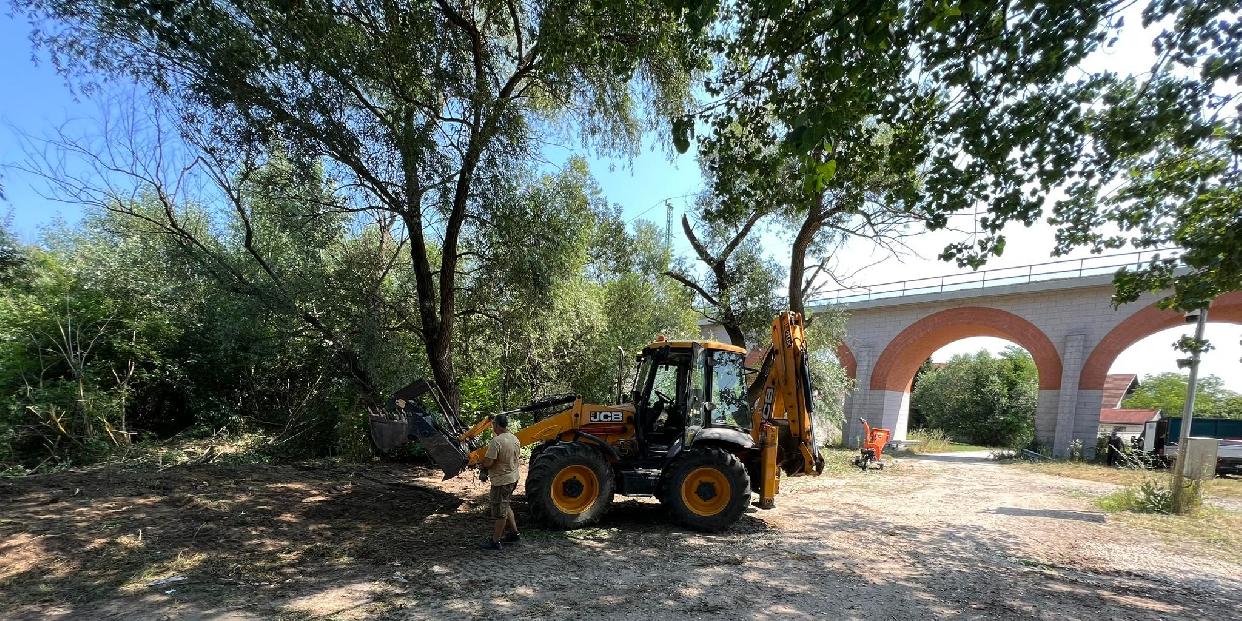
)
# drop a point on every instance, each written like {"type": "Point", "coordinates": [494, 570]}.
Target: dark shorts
{"type": "Point", "coordinates": [498, 499]}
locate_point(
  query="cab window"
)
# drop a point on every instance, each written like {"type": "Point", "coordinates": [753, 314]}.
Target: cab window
{"type": "Point", "coordinates": [727, 389]}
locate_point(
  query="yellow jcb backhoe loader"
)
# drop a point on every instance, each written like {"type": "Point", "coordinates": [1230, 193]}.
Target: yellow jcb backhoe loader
{"type": "Point", "coordinates": [693, 432]}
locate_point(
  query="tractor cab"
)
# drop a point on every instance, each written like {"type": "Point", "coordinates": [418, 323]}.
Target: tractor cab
{"type": "Point", "coordinates": [684, 387]}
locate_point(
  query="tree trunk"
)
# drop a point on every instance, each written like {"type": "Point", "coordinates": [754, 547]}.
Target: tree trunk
{"type": "Point", "coordinates": [797, 259]}
{"type": "Point", "coordinates": [736, 337]}
{"type": "Point", "coordinates": [437, 319]}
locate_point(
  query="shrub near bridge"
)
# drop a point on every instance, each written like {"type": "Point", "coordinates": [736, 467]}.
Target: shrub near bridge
{"type": "Point", "coordinates": [981, 399]}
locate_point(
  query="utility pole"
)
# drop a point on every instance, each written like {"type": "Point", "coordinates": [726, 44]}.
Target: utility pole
{"type": "Point", "coordinates": [1179, 467]}
{"type": "Point", "coordinates": [668, 232]}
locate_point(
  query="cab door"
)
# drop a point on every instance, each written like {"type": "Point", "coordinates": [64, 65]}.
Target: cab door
{"type": "Point", "coordinates": [694, 394]}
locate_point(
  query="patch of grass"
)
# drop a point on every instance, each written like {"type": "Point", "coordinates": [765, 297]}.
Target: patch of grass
{"type": "Point", "coordinates": [958, 447]}
{"type": "Point", "coordinates": [932, 441]}
{"type": "Point", "coordinates": [1148, 505]}
{"type": "Point", "coordinates": [838, 461]}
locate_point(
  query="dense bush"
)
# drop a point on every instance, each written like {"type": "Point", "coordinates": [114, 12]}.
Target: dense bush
{"type": "Point", "coordinates": [981, 399]}
{"type": "Point", "coordinates": [111, 332]}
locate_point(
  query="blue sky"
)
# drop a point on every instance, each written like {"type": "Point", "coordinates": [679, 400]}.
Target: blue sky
{"type": "Point", "coordinates": [36, 100]}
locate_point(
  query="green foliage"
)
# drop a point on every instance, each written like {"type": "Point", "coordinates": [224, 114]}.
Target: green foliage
{"type": "Point", "coordinates": [829, 382]}
{"type": "Point", "coordinates": [229, 334]}
{"type": "Point", "coordinates": [1159, 161]}
{"type": "Point", "coordinates": [11, 256]}
{"type": "Point", "coordinates": [424, 115]}
{"type": "Point", "coordinates": [982, 399]}
{"type": "Point", "coordinates": [556, 286]}
{"type": "Point", "coordinates": [1167, 392]}
{"type": "Point", "coordinates": [281, 318]}
{"type": "Point", "coordinates": [847, 119]}
{"type": "Point", "coordinates": [1148, 496]}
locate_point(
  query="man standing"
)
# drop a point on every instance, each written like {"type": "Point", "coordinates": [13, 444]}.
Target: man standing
{"type": "Point", "coordinates": [1114, 449]}
{"type": "Point", "coordinates": [501, 462]}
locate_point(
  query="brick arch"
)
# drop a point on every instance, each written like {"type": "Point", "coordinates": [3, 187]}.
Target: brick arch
{"type": "Point", "coordinates": [847, 360]}
{"type": "Point", "coordinates": [1146, 322]}
{"type": "Point", "coordinates": [895, 368]}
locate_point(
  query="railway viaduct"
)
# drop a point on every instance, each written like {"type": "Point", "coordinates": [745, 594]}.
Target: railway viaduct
{"type": "Point", "coordinates": [1060, 312]}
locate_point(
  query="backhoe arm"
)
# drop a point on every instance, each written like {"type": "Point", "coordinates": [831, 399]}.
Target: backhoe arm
{"type": "Point", "coordinates": [784, 427]}
{"type": "Point", "coordinates": [543, 430]}
{"type": "Point", "coordinates": [546, 429]}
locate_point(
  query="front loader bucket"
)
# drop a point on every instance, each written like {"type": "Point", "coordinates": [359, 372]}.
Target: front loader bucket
{"type": "Point", "coordinates": [389, 433]}
{"type": "Point", "coordinates": [443, 450]}
{"type": "Point", "coordinates": [408, 420]}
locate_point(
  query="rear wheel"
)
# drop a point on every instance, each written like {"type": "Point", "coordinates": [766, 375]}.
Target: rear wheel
{"type": "Point", "coordinates": [569, 485]}
{"type": "Point", "coordinates": [707, 489]}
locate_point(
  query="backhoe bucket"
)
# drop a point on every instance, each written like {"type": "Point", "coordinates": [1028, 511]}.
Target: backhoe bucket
{"type": "Point", "coordinates": [411, 421]}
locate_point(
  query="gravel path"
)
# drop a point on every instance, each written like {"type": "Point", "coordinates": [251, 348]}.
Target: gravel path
{"type": "Point", "coordinates": [938, 536]}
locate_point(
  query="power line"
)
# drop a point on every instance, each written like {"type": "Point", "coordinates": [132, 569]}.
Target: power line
{"type": "Point", "coordinates": [656, 204]}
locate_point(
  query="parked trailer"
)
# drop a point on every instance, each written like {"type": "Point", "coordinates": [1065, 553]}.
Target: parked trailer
{"type": "Point", "coordinates": [1160, 439]}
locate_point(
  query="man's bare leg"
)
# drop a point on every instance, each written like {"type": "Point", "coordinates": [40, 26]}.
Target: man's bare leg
{"type": "Point", "coordinates": [498, 528]}
{"type": "Point", "coordinates": [511, 521]}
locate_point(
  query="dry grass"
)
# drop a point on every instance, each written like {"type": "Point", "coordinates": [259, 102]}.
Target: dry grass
{"type": "Point", "coordinates": [1219, 529]}
{"type": "Point", "coordinates": [1230, 488]}
{"type": "Point", "coordinates": [934, 441]}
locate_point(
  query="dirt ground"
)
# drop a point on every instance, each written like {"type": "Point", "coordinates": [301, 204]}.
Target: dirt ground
{"type": "Point", "coordinates": [936, 536]}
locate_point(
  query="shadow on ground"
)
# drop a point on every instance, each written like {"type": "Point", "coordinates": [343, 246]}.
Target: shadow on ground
{"type": "Point", "coordinates": [1057, 514]}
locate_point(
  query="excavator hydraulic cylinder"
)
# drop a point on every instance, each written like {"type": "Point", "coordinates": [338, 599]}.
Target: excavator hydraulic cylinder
{"type": "Point", "coordinates": [769, 477]}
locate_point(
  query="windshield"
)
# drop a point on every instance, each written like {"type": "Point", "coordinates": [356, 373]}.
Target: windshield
{"type": "Point", "coordinates": [640, 378]}
{"type": "Point", "coordinates": [727, 390]}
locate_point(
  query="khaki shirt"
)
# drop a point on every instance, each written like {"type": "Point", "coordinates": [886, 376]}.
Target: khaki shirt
{"type": "Point", "coordinates": [505, 450]}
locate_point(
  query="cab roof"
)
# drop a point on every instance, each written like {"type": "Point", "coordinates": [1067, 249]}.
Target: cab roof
{"type": "Point", "coordinates": [687, 344]}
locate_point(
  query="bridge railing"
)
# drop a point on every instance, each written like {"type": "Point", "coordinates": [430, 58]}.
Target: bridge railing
{"type": "Point", "coordinates": [1052, 270]}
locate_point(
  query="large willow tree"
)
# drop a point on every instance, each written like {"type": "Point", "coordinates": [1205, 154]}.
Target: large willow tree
{"type": "Point", "coordinates": [418, 110]}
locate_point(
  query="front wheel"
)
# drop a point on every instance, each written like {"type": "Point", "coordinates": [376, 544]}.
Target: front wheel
{"type": "Point", "coordinates": [707, 489]}
{"type": "Point", "coordinates": [569, 485]}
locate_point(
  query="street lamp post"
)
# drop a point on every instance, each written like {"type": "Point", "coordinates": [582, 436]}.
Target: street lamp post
{"type": "Point", "coordinates": [1179, 467]}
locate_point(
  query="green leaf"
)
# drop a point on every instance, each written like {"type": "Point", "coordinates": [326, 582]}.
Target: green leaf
{"type": "Point", "coordinates": [826, 171]}
{"type": "Point", "coordinates": [682, 126]}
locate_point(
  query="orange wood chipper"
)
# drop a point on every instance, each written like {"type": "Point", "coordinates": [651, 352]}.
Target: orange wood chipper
{"type": "Point", "coordinates": [872, 449]}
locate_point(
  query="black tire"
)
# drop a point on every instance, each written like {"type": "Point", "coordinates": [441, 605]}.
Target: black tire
{"type": "Point", "coordinates": [706, 507]}
{"type": "Point", "coordinates": [575, 459]}
{"type": "Point", "coordinates": [538, 450]}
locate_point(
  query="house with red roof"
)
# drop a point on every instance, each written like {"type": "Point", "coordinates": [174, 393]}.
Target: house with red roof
{"type": "Point", "coordinates": [1127, 422]}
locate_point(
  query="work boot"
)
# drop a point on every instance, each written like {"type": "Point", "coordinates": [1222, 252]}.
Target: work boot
{"type": "Point", "coordinates": [489, 545]}
{"type": "Point", "coordinates": [512, 537]}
